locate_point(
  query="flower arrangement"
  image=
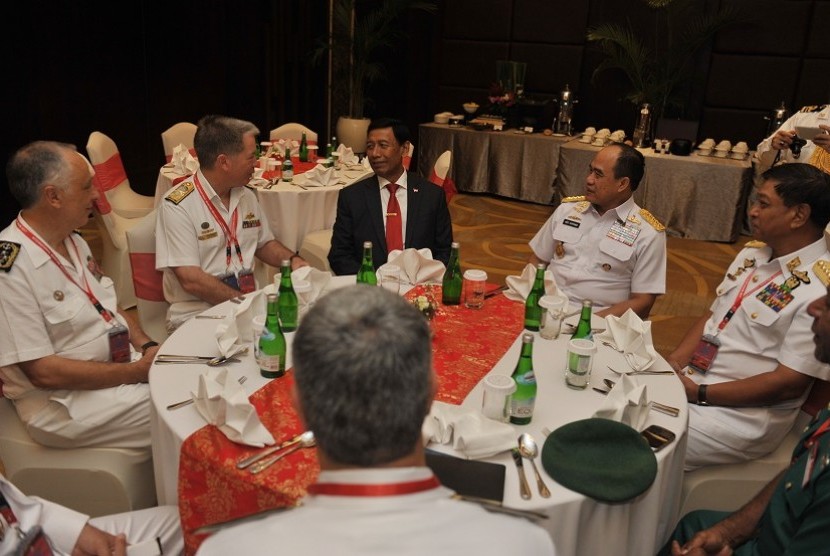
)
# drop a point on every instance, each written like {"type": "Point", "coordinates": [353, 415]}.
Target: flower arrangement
{"type": "Point", "coordinates": [426, 305]}
{"type": "Point", "coordinates": [499, 97]}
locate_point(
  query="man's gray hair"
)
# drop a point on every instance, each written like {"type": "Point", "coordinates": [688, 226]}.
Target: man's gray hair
{"type": "Point", "coordinates": [36, 165]}
{"type": "Point", "coordinates": [363, 368]}
{"type": "Point", "coordinates": [217, 135]}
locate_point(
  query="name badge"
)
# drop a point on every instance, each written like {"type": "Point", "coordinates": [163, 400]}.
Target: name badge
{"type": "Point", "coordinates": [119, 340]}
{"type": "Point", "coordinates": [246, 281]}
{"type": "Point", "coordinates": [705, 353]}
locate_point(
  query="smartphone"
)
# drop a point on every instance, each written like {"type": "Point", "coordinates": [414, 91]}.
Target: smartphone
{"type": "Point", "coordinates": [658, 437]}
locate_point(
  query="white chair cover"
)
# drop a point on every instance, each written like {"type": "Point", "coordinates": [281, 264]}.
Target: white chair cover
{"type": "Point", "coordinates": [294, 132]}
{"type": "Point", "coordinates": [181, 133]}
{"type": "Point", "coordinates": [147, 281]}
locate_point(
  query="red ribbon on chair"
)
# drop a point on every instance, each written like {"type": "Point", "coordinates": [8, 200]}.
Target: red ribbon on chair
{"type": "Point", "coordinates": [148, 281]}
{"type": "Point", "coordinates": [446, 184]}
{"type": "Point", "coordinates": [108, 175]}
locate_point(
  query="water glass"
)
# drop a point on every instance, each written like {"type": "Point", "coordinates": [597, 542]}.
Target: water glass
{"type": "Point", "coordinates": [390, 278]}
{"type": "Point", "coordinates": [496, 401]}
{"type": "Point", "coordinates": [579, 360]}
{"type": "Point", "coordinates": [475, 282]}
{"type": "Point", "coordinates": [553, 310]}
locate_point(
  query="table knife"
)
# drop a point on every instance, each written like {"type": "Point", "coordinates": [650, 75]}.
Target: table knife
{"type": "Point", "coordinates": [494, 292]}
{"type": "Point", "coordinates": [524, 489]}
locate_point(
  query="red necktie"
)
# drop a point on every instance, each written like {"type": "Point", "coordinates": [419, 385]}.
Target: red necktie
{"type": "Point", "coordinates": [394, 237]}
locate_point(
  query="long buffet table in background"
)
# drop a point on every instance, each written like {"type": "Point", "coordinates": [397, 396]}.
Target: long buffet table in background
{"type": "Point", "coordinates": [695, 197]}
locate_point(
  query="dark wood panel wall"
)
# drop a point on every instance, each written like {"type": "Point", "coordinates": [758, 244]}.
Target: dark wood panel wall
{"type": "Point", "coordinates": [71, 68]}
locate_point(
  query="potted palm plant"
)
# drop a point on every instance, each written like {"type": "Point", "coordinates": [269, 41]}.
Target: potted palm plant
{"type": "Point", "coordinates": [362, 33]}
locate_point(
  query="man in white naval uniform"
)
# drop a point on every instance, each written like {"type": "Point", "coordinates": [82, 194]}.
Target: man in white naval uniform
{"type": "Point", "coordinates": [815, 151]}
{"type": "Point", "coordinates": [748, 364]}
{"type": "Point", "coordinates": [210, 228]}
{"type": "Point", "coordinates": [71, 532]}
{"type": "Point", "coordinates": [65, 347]}
{"type": "Point", "coordinates": [602, 246]}
{"type": "Point", "coordinates": [364, 384]}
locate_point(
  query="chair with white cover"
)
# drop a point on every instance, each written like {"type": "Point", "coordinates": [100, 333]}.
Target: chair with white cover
{"type": "Point", "coordinates": [181, 133]}
{"type": "Point", "coordinates": [294, 132]}
{"type": "Point", "coordinates": [727, 487]}
{"type": "Point", "coordinates": [94, 481]}
{"type": "Point", "coordinates": [440, 173]}
{"type": "Point", "coordinates": [315, 249]}
{"type": "Point", "coordinates": [118, 208]}
{"type": "Point", "coordinates": [147, 281]}
{"type": "Point", "coordinates": [407, 156]}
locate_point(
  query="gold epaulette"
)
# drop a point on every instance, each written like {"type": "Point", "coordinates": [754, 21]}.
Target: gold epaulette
{"type": "Point", "coordinates": [574, 199]}
{"type": "Point", "coordinates": [183, 190]}
{"type": "Point", "coordinates": [8, 253]}
{"type": "Point", "coordinates": [814, 108]}
{"type": "Point", "coordinates": [822, 270]}
{"type": "Point", "coordinates": [651, 219]}
{"type": "Point", "coordinates": [755, 244]}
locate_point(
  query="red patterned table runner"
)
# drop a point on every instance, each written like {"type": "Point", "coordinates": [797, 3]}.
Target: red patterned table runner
{"type": "Point", "coordinates": [467, 343]}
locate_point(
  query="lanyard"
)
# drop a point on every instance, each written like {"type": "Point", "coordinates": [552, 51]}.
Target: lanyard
{"type": "Point", "coordinates": [86, 288]}
{"type": "Point", "coordinates": [230, 233]}
{"type": "Point", "coordinates": [388, 489]}
{"type": "Point", "coordinates": [742, 293]}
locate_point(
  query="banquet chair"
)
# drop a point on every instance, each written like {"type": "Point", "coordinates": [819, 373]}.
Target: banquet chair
{"type": "Point", "coordinates": [439, 175]}
{"type": "Point", "coordinates": [115, 260]}
{"type": "Point", "coordinates": [94, 481]}
{"type": "Point", "coordinates": [315, 249]}
{"type": "Point", "coordinates": [181, 133]}
{"type": "Point", "coordinates": [147, 281]}
{"type": "Point", "coordinates": [111, 179]}
{"type": "Point", "coordinates": [294, 132]}
{"type": "Point", "coordinates": [729, 486]}
{"type": "Point", "coordinates": [407, 156]}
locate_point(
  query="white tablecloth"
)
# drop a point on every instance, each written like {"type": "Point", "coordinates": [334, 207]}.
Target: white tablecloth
{"type": "Point", "coordinates": [578, 525]}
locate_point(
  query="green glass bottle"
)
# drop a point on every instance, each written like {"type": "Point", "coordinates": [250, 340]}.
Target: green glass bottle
{"type": "Point", "coordinates": [333, 143]}
{"type": "Point", "coordinates": [271, 347]}
{"type": "Point", "coordinates": [303, 149]}
{"type": "Point", "coordinates": [583, 329]}
{"type": "Point", "coordinates": [524, 398]}
{"type": "Point", "coordinates": [288, 298]}
{"type": "Point", "coordinates": [329, 158]}
{"type": "Point", "coordinates": [451, 285]}
{"type": "Point", "coordinates": [366, 274]}
{"type": "Point", "coordinates": [533, 312]}
{"type": "Point", "coordinates": [287, 166]}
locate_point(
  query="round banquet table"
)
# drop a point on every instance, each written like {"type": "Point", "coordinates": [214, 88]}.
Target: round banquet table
{"type": "Point", "coordinates": [577, 523]}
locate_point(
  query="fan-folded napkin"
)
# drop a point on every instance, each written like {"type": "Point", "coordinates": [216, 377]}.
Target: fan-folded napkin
{"type": "Point", "coordinates": [470, 432]}
{"type": "Point", "coordinates": [318, 279]}
{"type": "Point", "coordinates": [632, 335]}
{"type": "Point", "coordinates": [280, 146]}
{"type": "Point", "coordinates": [417, 266]}
{"type": "Point", "coordinates": [627, 403]}
{"type": "Point", "coordinates": [346, 154]}
{"type": "Point", "coordinates": [319, 176]}
{"type": "Point", "coordinates": [519, 286]}
{"type": "Point", "coordinates": [237, 329]}
{"type": "Point", "coordinates": [183, 162]}
{"type": "Point", "coordinates": [223, 403]}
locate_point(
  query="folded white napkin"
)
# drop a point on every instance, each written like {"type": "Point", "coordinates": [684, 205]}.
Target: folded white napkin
{"type": "Point", "coordinates": [627, 402]}
{"type": "Point", "coordinates": [519, 286]}
{"type": "Point", "coordinates": [223, 402]}
{"type": "Point", "coordinates": [280, 146]}
{"type": "Point", "coordinates": [347, 155]}
{"type": "Point", "coordinates": [318, 279]}
{"type": "Point", "coordinates": [417, 266]}
{"type": "Point", "coordinates": [632, 335]}
{"type": "Point", "coordinates": [470, 432]}
{"type": "Point", "coordinates": [366, 165]}
{"type": "Point", "coordinates": [183, 162]}
{"type": "Point", "coordinates": [319, 176]}
{"type": "Point", "coordinates": [238, 330]}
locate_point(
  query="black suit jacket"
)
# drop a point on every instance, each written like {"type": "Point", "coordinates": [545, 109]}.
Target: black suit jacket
{"type": "Point", "coordinates": [360, 217]}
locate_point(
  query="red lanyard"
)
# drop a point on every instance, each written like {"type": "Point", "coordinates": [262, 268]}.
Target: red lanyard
{"type": "Point", "coordinates": [742, 293]}
{"type": "Point", "coordinates": [86, 288]}
{"type": "Point", "coordinates": [230, 233]}
{"type": "Point", "coordinates": [389, 489]}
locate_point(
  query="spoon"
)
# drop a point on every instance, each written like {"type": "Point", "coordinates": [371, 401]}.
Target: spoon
{"type": "Point", "coordinates": [216, 361]}
{"type": "Point", "coordinates": [306, 441]}
{"type": "Point", "coordinates": [529, 449]}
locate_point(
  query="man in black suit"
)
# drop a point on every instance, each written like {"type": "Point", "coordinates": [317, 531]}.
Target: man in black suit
{"type": "Point", "coordinates": [363, 209]}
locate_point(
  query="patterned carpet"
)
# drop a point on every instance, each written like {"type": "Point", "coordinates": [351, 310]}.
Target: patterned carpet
{"type": "Point", "coordinates": [494, 233]}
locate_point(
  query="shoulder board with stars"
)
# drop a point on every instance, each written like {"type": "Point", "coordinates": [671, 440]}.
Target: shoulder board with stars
{"type": "Point", "coordinates": [755, 244]}
{"type": "Point", "coordinates": [177, 195]}
{"type": "Point", "coordinates": [651, 219]}
{"type": "Point", "coordinates": [8, 253]}
{"type": "Point", "coordinates": [822, 270]}
{"type": "Point", "coordinates": [814, 108]}
{"type": "Point", "coordinates": [574, 199]}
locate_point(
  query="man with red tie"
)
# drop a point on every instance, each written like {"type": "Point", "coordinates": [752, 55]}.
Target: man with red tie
{"type": "Point", "coordinates": [393, 209]}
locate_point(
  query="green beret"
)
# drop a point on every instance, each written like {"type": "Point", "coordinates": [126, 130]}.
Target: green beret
{"type": "Point", "coordinates": [600, 458]}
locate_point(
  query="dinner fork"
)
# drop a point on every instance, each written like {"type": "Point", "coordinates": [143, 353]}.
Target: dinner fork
{"type": "Point", "coordinates": [189, 401]}
{"type": "Point", "coordinates": [641, 372]}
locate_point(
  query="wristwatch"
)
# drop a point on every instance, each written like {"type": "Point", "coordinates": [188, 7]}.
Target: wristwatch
{"type": "Point", "coordinates": [148, 345]}
{"type": "Point", "coordinates": [701, 395]}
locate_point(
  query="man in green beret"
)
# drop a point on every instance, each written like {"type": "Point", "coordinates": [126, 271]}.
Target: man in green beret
{"type": "Point", "coordinates": [790, 515]}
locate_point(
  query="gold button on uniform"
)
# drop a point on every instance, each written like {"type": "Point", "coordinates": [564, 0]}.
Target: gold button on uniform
{"type": "Point", "coordinates": [788, 486]}
{"type": "Point", "coordinates": [754, 278]}
{"type": "Point", "coordinates": [754, 316]}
